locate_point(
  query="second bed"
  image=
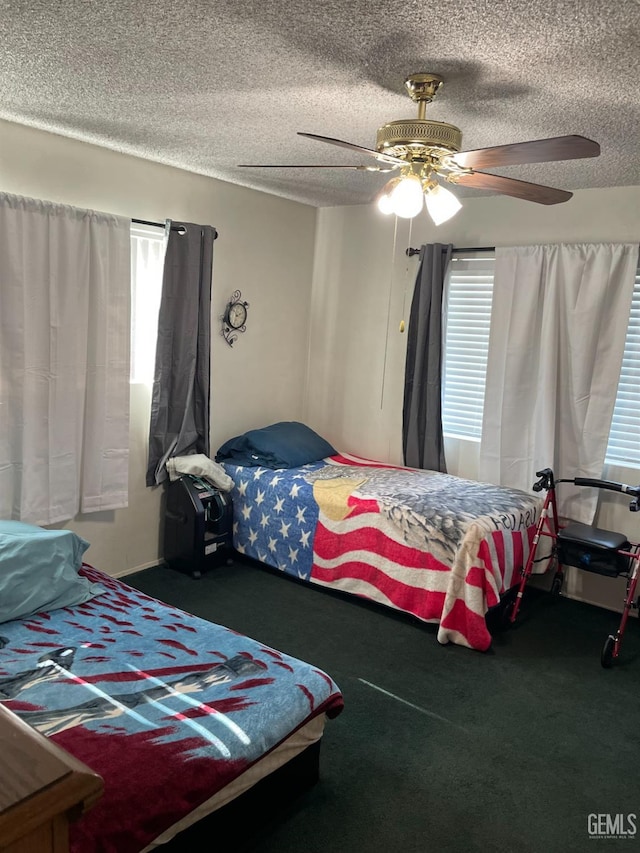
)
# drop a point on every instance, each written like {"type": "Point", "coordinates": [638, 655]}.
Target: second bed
{"type": "Point", "coordinates": [439, 547]}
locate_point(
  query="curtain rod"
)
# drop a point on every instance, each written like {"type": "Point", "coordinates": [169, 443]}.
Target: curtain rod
{"type": "Point", "coordinates": [411, 252]}
{"type": "Point", "coordinates": [179, 228]}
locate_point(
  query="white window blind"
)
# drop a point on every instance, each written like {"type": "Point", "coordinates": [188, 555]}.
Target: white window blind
{"type": "Point", "coordinates": [624, 438]}
{"type": "Point", "coordinates": [467, 318]}
{"type": "Point", "coordinates": [148, 246]}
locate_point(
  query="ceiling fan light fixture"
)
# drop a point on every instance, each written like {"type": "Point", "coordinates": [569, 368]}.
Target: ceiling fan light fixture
{"type": "Point", "coordinates": [441, 203]}
{"type": "Point", "coordinates": [407, 197]}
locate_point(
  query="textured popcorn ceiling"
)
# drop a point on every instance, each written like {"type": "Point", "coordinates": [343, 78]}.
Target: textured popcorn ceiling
{"type": "Point", "coordinates": [207, 85]}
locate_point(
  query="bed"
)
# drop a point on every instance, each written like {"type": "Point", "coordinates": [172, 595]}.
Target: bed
{"type": "Point", "coordinates": [178, 715]}
{"type": "Point", "coordinates": [441, 548]}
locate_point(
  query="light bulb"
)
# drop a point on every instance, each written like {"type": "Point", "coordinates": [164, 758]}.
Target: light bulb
{"type": "Point", "coordinates": [384, 203]}
{"type": "Point", "coordinates": [407, 197]}
{"type": "Point", "coordinates": [441, 204]}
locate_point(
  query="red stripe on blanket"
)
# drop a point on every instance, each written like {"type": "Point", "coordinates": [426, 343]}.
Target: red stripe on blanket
{"type": "Point", "coordinates": [136, 675]}
{"type": "Point", "coordinates": [471, 625]}
{"type": "Point", "coordinates": [359, 506]}
{"type": "Point", "coordinates": [507, 570]}
{"type": "Point", "coordinates": [498, 544]}
{"type": "Point", "coordinates": [360, 577]}
{"type": "Point", "coordinates": [328, 545]}
{"type": "Point", "coordinates": [518, 561]}
{"type": "Point", "coordinates": [341, 459]}
{"type": "Point", "coordinates": [476, 576]}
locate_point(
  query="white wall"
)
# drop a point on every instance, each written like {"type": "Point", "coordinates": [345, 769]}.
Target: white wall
{"type": "Point", "coordinates": [362, 288]}
{"type": "Point", "coordinates": [264, 248]}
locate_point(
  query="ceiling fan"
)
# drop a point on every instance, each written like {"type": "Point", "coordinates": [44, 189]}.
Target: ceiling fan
{"type": "Point", "coordinates": [423, 151]}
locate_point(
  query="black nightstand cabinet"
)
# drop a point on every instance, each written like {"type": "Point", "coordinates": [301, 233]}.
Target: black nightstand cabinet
{"type": "Point", "coordinates": [198, 526]}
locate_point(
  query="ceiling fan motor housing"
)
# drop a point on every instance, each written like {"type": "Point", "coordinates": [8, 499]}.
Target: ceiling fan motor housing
{"type": "Point", "coordinates": [413, 137]}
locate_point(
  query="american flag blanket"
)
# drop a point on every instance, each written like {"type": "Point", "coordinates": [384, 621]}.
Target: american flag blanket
{"type": "Point", "coordinates": [436, 546]}
{"type": "Point", "coordinates": [166, 707]}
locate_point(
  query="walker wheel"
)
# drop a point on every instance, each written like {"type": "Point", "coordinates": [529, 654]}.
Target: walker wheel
{"type": "Point", "coordinates": [556, 586]}
{"type": "Point", "coordinates": [507, 613]}
{"type": "Point", "coordinates": [606, 658]}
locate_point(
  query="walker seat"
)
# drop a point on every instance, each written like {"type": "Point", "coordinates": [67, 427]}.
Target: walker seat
{"type": "Point", "coordinates": [585, 547]}
{"type": "Point", "coordinates": [593, 550]}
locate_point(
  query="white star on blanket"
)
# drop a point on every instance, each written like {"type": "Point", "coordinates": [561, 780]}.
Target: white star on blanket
{"type": "Point", "coordinates": [260, 497]}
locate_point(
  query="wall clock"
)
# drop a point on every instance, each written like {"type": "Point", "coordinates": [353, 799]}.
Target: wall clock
{"type": "Point", "coordinates": [234, 319]}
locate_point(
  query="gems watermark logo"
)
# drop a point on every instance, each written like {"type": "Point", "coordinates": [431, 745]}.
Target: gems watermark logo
{"type": "Point", "coordinates": [611, 825]}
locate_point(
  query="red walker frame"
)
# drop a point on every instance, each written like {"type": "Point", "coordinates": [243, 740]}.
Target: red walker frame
{"type": "Point", "coordinates": [550, 527]}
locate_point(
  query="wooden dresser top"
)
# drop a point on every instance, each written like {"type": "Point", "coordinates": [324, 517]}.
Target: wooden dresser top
{"type": "Point", "coordinates": [38, 779]}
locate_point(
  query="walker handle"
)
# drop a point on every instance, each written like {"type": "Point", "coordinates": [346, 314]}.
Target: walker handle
{"type": "Point", "coordinates": [546, 480]}
{"type": "Point", "coordinates": [609, 485]}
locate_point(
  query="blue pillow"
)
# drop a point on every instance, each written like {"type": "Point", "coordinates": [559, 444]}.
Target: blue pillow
{"type": "Point", "coordinates": [39, 570]}
{"type": "Point", "coordinates": [286, 444]}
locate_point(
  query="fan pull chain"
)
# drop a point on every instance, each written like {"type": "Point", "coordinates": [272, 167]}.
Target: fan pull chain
{"type": "Point", "coordinates": [386, 339]}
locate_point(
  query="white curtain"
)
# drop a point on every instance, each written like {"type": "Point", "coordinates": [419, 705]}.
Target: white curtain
{"type": "Point", "coordinates": [64, 360]}
{"type": "Point", "coordinates": [558, 324]}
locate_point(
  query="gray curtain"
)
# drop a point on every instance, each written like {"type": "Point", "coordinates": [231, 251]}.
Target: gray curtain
{"type": "Point", "coordinates": [180, 402]}
{"type": "Point", "coordinates": [422, 440]}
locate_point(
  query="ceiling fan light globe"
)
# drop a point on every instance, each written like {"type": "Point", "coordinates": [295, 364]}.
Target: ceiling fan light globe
{"type": "Point", "coordinates": [407, 197]}
{"type": "Point", "coordinates": [441, 204]}
{"type": "Point", "coordinates": [385, 205]}
{"type": "Point", "coordinates": [383, 200]}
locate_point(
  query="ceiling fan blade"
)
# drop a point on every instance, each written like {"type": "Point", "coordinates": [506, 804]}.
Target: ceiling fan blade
{"type": "Point", "coordinates": [511, 186]}
{"type": "Point", "coordinates": [384, 158]}
{"type": "Point", "coordinates": [358, 168]}
{"type": "Point", "coordinates": [535, 151]}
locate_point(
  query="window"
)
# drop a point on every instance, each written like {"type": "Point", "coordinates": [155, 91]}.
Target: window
{"type": "Point", "coordinates": [624, 438]}
{"type": "Point", "coordinates": [468, 293]}
{"type": "Point", "coordinates": [147, 261]}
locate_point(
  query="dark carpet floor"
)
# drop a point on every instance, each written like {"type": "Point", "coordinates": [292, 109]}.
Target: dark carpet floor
{"type": "Point", "coordinates": [440, 748]}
